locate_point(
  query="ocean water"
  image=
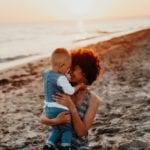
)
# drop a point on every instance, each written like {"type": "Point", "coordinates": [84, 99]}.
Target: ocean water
{"type": "Point", "coordinates": [20, 41]}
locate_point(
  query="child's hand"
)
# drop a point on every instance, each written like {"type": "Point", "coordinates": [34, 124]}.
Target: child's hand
{"type": "Point", "coordinates": [82, 86]}
{"type": "Point", "coordinates": [68, 76]}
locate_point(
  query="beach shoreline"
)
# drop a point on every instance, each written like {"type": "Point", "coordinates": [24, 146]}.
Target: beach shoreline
{"type": "Point", "coordinates": [122, 121]}
{"type": "Point", "coordinates": [23, 59]}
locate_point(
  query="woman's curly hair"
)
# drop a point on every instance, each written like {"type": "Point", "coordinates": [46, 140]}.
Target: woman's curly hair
{"type": "Point", "coordinates": [89, 62]}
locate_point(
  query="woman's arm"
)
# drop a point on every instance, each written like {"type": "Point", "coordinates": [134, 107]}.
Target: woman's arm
{"type": "Point", "coordinates": [81, 127]}
{"type": "Point", "coordinates": [61, 118]}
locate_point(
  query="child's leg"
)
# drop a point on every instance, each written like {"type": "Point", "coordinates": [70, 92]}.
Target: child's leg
{"type": "Point", "coordinates": [66, 135]}
{"type": "Point", "coordinates": [57, 131]}
{"type": "Point", "coordinates": [54, 136]}
{"type": "Point", "coordinates": [66, 138]}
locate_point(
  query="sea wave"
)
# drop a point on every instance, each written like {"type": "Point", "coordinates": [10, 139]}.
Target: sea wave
{"type": "Point", "coordinates": [7, 59]}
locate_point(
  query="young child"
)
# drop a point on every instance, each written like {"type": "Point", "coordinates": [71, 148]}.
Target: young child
{"type": "Point", "coordinates": [55, 81]}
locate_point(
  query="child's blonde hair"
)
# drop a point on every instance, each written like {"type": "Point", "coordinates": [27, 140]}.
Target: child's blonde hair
{"type": "Point", "coordinates": [60, 56]}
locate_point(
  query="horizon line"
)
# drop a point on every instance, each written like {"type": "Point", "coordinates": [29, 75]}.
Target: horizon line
{"type": "Point", "coordinates": [75, 20]}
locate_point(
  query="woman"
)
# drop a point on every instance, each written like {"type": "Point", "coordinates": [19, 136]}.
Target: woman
{"type": "Point", "coordinates": [83, 105]}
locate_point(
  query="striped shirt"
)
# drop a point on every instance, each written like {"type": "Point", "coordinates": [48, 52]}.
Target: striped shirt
{"type": "Point", "coordinates": [79, 143]}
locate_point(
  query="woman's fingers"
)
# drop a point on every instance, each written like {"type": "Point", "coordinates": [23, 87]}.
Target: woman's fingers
{"type": "Point", "coordinates": [62, 95]}
{"type": "Point", "coordinates": [62, 99]}
{"type": "Point", "coordinates": [65, 117]}
{"type": "Point", "coordinates": [66, 113]}
{"type": "Point", "coordinates": [57, 97]}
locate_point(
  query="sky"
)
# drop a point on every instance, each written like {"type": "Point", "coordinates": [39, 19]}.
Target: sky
{"type": "Point", "coordinates": [47, 10]}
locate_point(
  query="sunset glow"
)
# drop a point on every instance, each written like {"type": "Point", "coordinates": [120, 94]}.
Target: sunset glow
{"type": "Point", "coordinates": [77, 8]}
{"type": "Point", "coordinates": [47, 10]}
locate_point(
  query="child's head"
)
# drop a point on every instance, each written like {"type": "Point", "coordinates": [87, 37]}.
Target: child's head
{"type": "Point", "coordinates": [61, 60]}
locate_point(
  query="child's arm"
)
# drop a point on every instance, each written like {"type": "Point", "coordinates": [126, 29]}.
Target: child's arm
{"type": "Point", "coordinates": [79, 86]}
{"type": "Point", "coordinates": [66, 86]}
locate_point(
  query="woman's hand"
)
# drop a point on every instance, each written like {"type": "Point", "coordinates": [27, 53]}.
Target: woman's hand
{"type": "Point", "coordinates": [64, 99]}
{"type": "Point", "coordinates": [61, 118]}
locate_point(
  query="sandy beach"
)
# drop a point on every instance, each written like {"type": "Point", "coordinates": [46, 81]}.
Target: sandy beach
{"type": "Point", "coordinates": [123, 119]}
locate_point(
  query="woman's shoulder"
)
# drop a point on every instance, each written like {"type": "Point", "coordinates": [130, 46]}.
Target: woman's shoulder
{"type": "Point", "coordinates": [94, 98]}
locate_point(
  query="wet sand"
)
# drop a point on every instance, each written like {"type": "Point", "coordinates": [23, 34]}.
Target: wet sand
{"type": "Point", "coordinates": [123, 120]}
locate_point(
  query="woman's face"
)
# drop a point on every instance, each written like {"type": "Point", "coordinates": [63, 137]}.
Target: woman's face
{"type": "Point", "coordinates": [77, 75]}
